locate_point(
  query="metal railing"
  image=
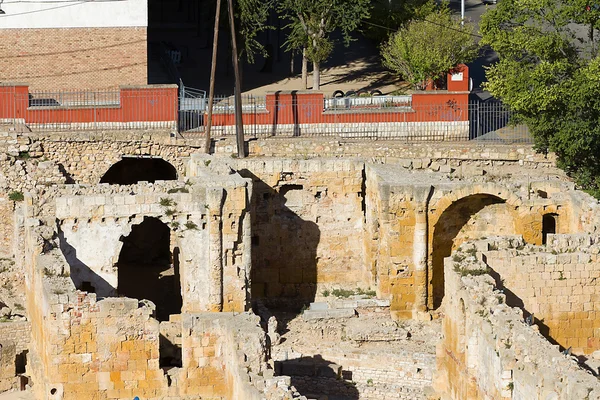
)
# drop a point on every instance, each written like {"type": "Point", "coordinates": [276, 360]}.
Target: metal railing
{"type": "Point", "coordinates": [368, 102]}
{"type": "Point", "coordinates": [482, 122]}
{"type": "Point", "coordinates": [40, 111]}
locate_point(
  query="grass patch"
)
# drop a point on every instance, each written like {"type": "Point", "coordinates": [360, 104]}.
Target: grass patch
{"type": "Point", "coordinates": [191, 225]}
{"type": "Point", "coordinates": [473, 272]}
{"type": "Point", "coordinates": [166, 202]}
{"type": "Point", "coordinates": [178, 190]}
{"type": "Point", "coordinates": [16, 196]}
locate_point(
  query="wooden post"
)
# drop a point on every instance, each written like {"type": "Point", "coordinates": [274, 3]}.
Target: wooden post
{"type": "Point", "coordinates": [239, 124]}
{"type": "Point", "coordinates": [213, 69]}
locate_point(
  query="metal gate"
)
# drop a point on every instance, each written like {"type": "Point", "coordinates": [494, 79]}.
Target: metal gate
{"type": "Point", "coordinates": [492, 122]}
{"type": "Point", "coordinates": [192, 105]}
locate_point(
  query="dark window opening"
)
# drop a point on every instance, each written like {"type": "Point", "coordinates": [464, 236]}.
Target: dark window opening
{"type": "Point", "coordinates": [147, 270]}
{"type": "Point", "coordinates": [170, 353]}
{"type": "Point", "coordinates": [21, 362]}
{"type": "Point", "coordinates": [87, 287]}
{"type": "Point", "coordinates": [129, 171]}
{"type": "Point", "coordinates": [548, 226]}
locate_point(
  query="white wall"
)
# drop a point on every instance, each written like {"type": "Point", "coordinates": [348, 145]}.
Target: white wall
{"type": "Point", "coordinates": [73, 13]}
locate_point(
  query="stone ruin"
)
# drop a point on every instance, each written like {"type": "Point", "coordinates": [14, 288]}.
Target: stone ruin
{"type": "Point", "coordinates": [313, 269]}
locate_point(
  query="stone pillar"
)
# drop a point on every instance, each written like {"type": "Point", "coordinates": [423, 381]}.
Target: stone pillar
{"type": "Point", "coordinates": [215, 197]}
{"type": "Point", "coordinates": [422, 195]}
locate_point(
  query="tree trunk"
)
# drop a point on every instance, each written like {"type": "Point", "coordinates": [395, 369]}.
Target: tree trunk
{"type": "Point", "coordinates": [316, 76]}
{"type": "Point", "coordinates": [213, 68]}
{"type": "Point", "coordinates": [292, 63]}
{"type": "Point", "coordinates": [304, 69]}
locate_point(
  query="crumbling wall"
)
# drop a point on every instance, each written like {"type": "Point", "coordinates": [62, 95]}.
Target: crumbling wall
{"type": "Point", "coordinates": [489, 351]}
{"type": "Point", "coordinates": [557, 283]}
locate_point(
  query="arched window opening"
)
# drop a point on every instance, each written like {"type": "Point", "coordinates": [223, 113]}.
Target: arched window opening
{"type": "Point", "coordinates": [464, 220]}
{"type": "Point", "coordinates": [548, 226]}
{"type": "Point", "coordinates": [146, 269]}
{"type": "Point", "coordinates": [131, 170]}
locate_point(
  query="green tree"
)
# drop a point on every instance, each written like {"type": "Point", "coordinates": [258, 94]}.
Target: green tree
{"type": "Point", "coordinates": [426, 49]}
{"type": "Point", "coordinates": [253, 16]}
{"type": "Point", "coordinates": [313, 21]}
{"type": "Point", "coordinates": [548, 74]}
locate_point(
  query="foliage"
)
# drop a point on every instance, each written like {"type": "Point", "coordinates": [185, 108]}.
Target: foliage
{"type": "Point", "coordinates": [387, 15]}
{"type": "Point", "coordinates": [16, 196]}
{"type": "Point", "coordinates": [252, 20]}
{"type": "Point", "coordinates": [425, 50]}
{"type": "Point", "coordinates": [548, 73]}
{"type": "Point", "coordinates": [313, 21]}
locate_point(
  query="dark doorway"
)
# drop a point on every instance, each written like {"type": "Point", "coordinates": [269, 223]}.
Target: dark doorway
{"type": "Point", "coordinates": [132, 170]}
{"type": "Point", "coordinates": [548, 226]}
{"type": "Point", "coordinates": [146, 270]}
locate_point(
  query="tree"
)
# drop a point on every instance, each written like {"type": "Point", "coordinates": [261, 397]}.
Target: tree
{"type": "Point", "coordinates": [312, 22]}
{"type": "Point", "coordinates": [253, 16]}
{"type": "Point", "coordinates": [387, 15]}
{"type": "Point", "coordinates": [424, 50]}
{"type": "Point", "coordinates": [547, 74]}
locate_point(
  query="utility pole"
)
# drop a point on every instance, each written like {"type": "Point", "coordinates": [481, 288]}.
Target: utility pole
{"type": "Point", "coordinates": [213, 70]}
{"type": "Point", "coordinates": [462, 12]}
{"type": "Point", "coordinates": [239, 124]}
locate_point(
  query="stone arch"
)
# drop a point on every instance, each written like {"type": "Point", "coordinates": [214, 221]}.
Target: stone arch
{"type": "Point", "coordinates": [131, 170]}
{"type": "Point", "coordinates": [452, 221]}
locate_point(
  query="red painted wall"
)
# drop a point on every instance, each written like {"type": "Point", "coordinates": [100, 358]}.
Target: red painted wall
{"type": "Point", "coordinates": [136, 103]}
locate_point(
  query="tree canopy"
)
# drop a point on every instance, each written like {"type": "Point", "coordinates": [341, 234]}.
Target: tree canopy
{"type": "Point", "coordinates": [548, 73]}
{"type": "Point", "coordinates": [425, 49]}
{"type": "Point", "coordinates": [313, 21]}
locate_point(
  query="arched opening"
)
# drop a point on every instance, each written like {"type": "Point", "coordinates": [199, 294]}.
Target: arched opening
{"type": "Point", "coordinates": [548, 226]}
{"type": "Point", "coordinates": [146, 269]}
{"type": "Point", "coordinates": [132, 170]}
{"type": "Point", "coordinates": [469, 218]}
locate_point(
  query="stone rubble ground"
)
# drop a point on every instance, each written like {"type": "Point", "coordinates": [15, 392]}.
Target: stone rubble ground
{"type": "Point", "coordinates": [368, 335]}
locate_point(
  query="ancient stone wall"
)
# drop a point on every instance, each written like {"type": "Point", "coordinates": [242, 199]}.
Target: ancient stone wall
{"type": "Point", "coordinates": [307, 225]}
{"type": "Point", "coordinates": [556, 283]}
{"type": "Point", "coordinates": [489, 351]}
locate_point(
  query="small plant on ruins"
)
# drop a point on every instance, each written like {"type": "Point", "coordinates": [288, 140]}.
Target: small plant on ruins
{"type": "Point", "coordinates": [458, 257]}
{"type": "Point", "coordinates": [170, 212]}
{"type": "Point", "coordinates": [473, 272]}
{"type": "Point", "coordinates": [234, 155]}
{"type": "Point", "coordinates": [4, 319]}
{"type": "Point", "coordinates": [207, 162]}
{"type": "Point", "coordinates": [166, 202]}
{"type": "Point", "coordinates": [507, 344]}
{"type": "Point", "coordinates": [48, 272]}
{"type": "Point", "coordinates": [369, 293]}
{"type": "Point", "coordinates": [326, 293]}
{"type": "Point", "coordinates": [19, 307]}
{"type": "Point", "coordinates": [178, 190]}
{"type": "Point", "coordinates": [369, 382]}
{"type": "Point", "coordinates": [58, 292]}
{"type": "Point", "coordinates": [342, 293]}
{"type": "Point", "coordinates": [492, 247]}
{"type": "Point", "coordinates": [191, 225]}
{"type": "Point", "coordinates": [16, 195]}
{"type": "Point", "coordinates": [472, 251]}
{"type": "Point", "coordinates": [175, 225]}
{"type": "Point", "coordinates": [561, 277]}
{"type": "Point", "coordinates": [24, 155]}
{"type": "Point", "coordinates": [510, 386]}
{"type": "Point", "coordinates": [64, 274]}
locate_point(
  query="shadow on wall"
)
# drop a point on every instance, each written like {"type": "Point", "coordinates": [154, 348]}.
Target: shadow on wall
{"type": "Point", "coordinates": [83, 277]}
{"type": "Point", "coordinates": [315, 377]}
{"type": "Point", "coordinates": [446, 230]}
{"type": "Point", "coordinates": [147, 270]}
{"type": "Point", "coordinates": [131, 170]}
{"type": "Point", "coordinates": [284, 247]}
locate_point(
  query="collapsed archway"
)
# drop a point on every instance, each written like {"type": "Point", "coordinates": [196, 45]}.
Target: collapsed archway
{"type": "Point", "coordinates": [469, 218]}
{"type": "Point", "coordinates": [146, 269]}
{"type": "Point", "coordinates": [131, 170]}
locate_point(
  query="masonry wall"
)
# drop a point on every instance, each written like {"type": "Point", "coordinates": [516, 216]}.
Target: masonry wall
{"type": "Point", "coordinates": [307, 226]}
{"type": "Point", "coordinates": [74, 58]}
{"type": "Point", "coordinates": [489, 351]}
{"type": "Point", "coordinates": [556, 283]}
